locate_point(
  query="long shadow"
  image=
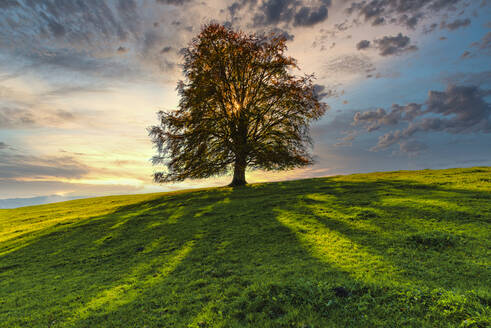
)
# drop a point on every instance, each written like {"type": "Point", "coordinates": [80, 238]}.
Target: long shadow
{"type": "Point", "coordinates": [180, 260]}
{"type": "Point", "coordinates": [238, 243]}
{"type": "Point", "coordinates": [79, 261]}
{"type": "Point", "coordinates": [431, 234]}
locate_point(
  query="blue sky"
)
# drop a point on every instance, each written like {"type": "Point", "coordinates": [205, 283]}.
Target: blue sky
{"type": "Point", "coordinates": [81, 81]}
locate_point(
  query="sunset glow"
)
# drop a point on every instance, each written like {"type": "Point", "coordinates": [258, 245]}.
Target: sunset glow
{"type": "Point", "coordinates": [77, 94]}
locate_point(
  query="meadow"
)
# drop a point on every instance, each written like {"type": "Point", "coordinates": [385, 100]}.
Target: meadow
{"type": "Point", "coordinates": [391, 249]}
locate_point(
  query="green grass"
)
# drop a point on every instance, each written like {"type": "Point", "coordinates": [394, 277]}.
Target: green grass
{"type": "Point", "coordinates": [395, 249]}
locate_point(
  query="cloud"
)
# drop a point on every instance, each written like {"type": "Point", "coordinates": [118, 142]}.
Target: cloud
{"type": "Point", "coordinates": [429, 29]}
{"type": "Point", "coordinates": [56, 28]}
{"type": "Point", "coordinates": [465, 54]}
{"type": "Point", "coordinates": [457, 110]}
{"type": "Point", "coordinates": [73, 61]}
{"type": "Point", "coordinates": [389, 45]}
{"type": "Point", "coordinates": [166, 49]}
{"type": "Point", "coordinates": [27, 167]}
{"type": "Point", "coordinates": [322, 92]}
{"type": "Point", "coordinates": [466, 105]}
{"type": "Point", "coordinates": [373, 120]}
{"type": "Point", "coordinates": [480, 78]}
{"type": "Point", "coordinates": [20, 117]}
{"type": "Point", "coordinates": [308, 16]}
{"type": "Point", "coordinates": [406, 13]}
{"type": "Point", "coordinates": [412, 147]}
{"type": "Point", "coordinates": [174, 2]}
{"type": "Point", "coordinates": [456, 24]}
{"type": "Point", "coordinates": [394, 45]}
{"type": "Point", "coordinates": [484, 43]}
{"type": "Point", "coordinates": [350, 64]}
{"type": "Point", "coordinates": [273, 12]}
{"type": "Point", "coordinates": [82, 38]}
{"type": "Point", "coordinates": [76, 21]}
{"type": "Point", "coordinates": [363, 44]}
{"type": "Point", "coordinates": [8, 3]}
{"type": "Point", "coordinates": [3, 145]}
{"type": "Point", "coordinates": [122, 50]}
{"type": "Point", "coordinates": [238, 5]}
{"type": "Point", "coordinates": [76, 89]}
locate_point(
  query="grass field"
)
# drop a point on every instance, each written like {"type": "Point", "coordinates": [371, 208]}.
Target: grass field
{"type": "Point", "coordinates": [395, 249]}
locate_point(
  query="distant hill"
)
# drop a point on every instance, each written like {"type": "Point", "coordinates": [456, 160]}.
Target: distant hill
{"type": "Point", "coordinates": [391, 249]}
{"type": "Point", "coordinates": [20, 202]}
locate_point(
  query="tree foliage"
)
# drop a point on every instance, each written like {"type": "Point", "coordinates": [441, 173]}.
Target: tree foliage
{"type": "Point", "coordinates": [240, 107]}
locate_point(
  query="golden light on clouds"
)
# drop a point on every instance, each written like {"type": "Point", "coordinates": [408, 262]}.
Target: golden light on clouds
{"type": "Point", "coordinates": [74, 109]}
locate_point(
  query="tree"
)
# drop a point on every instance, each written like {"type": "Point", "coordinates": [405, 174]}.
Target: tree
{"type": "Point", "coordinates": [240, 107]}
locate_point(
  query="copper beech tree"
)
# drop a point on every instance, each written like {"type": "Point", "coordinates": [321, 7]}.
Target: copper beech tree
{"type": "Point", "coordinates": [240, 107]}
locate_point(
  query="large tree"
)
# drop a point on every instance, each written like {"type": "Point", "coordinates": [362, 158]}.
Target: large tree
{"type": "Point", "coordinates": [240, 107]}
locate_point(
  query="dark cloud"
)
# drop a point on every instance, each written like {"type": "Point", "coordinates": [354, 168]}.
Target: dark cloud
{"type": "Point", "coordinates": [363, 44]}
{"type": "Point", "coordinates": [126, 6]}
{"type": "Point", "coordinates": [79, 36]}
{"type": "Point", "coordinates": [407, 13]}
{"type": "Point", "coordinates": [14, 166]}
{"type": "Point", "coordinates": [389, 45]}
{"type": "Point", "coordinates": [429, 29]}
{"type": "Point", "coordinates": [122, 50]}
{"type": "Point", "coordinates": [273, 12]}
{"type": "Point", "coordinates": [151, 40]}
{"type": "Point", "coordinates": [321, 91]}
{"type": "Point", "coordinates": [166, 49]}
{"type": "Point", "coordinates": [78, 21]}
{"type": "Point", "coordinates": [410, 21]}
{"type": "Point", "coordinates": [456, 24]}
{"type": "Point", "coordinates": [342, 26]}
{"type": "Point", "coordinates": [281, 32]}
{"type": "Point", "coordinates": [308, 16]}
{"type": "Point", "coordinates": [373, 120]}
{"type": "Point", "coordinates": [18, 117]}
{"type": "Point", "coordinates": [79, 62]}
{"type": "Point", "coordinates": [465, 105]}
{"type": "Point", "coordinates": [56, 28]}
{"type": "Point", "coordinates": [238, 5]}
{"type": "Point", "coordinates": [3, 145]}
{"type": "Point", "coordinates": [457, 110]}
{"type": "Point", "coordinates": [394, 45]}
{"type": "Point", "coordinates": [4, 4]}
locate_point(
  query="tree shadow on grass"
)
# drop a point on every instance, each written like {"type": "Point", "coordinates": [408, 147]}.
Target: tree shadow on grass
{"type": "Point", "coordinates": [240, 245]}
{"type": "Point", "coordinates": [228, 257]}
{"type": "Point", "coordinates": [73, 263]}
{"type": "Point", "coordinates": [427, 234]}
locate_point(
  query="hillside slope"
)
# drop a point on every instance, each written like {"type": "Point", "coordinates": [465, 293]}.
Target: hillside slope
{"type": "Point", "coordinates": [395, 249]}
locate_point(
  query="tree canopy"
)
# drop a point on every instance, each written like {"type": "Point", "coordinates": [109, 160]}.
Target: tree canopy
{"type": "Point", "coordinates": [241, 107]}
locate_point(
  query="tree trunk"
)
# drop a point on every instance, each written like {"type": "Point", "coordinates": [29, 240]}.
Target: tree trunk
{"type": "Point", "coordinates": [239, 173]}
{"type": "Point", "coordinates": [240, 154]}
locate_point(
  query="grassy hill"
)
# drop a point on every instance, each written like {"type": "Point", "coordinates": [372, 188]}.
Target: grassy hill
{"type": "Point", "coordinates": [395, 249]}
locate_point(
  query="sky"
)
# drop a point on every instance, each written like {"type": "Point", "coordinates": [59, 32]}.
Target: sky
{"type": "Point", "coordinates": [408, 84]}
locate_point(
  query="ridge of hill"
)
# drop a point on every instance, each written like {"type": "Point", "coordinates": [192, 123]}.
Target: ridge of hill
{"type": "Point", "coordinates": [390, 249]}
